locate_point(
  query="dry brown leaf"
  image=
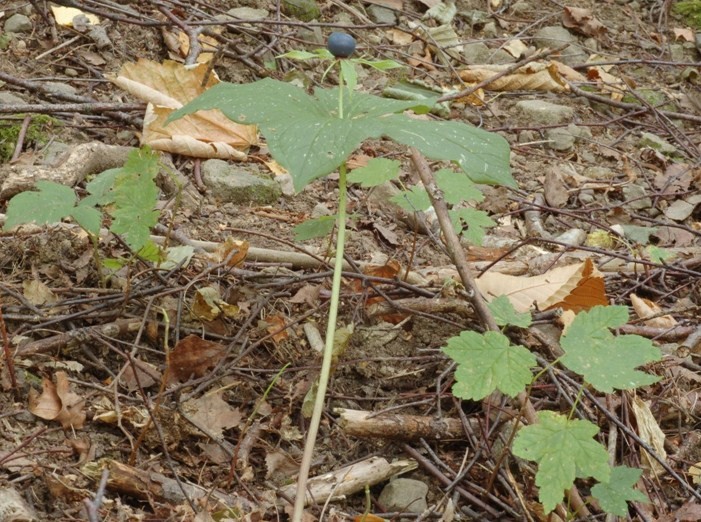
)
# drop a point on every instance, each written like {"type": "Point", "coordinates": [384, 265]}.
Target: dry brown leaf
{"type": "Point", "coordinates": [275, 324]}
{"type": "Point", "coordinates": [233, 251]}
{"type": "Point", "coordinates": [398, 37]}
{"type": "Point", "coordinates": [64, 15]}
{"type": "Point", "coordinates": [37, 292]}
{"type": "Point", "coordinates": [194, 356]}
{"type": "Point", "coordinates": [168, 86]}
{"type": "Point", "coordinates": [208, 44]}
{"type": "Point", "coordinates": [146, 375]}
{"type": "Point", "coordinates": [516, 48]}
{"type": "Point", "coordinates": [683, 33]}
{"type": "Point", "coordinates": [547, 76]}
{"type": "Point", "coordinates": [308, 294]}
{"type": "Point", "coordinates": [607, 82]}
{"type": "Point", "coordinates": [208, 305]}
{"type": "Point", "coordinates": [57, 402]}
{"type": "Point", "coordinates": [650, 432]}
{"type": "Point", "coordinates": [582, 21]}
{"type": "Point", "coordinates": [646, 308]}
{"type": "Point", "coordinates": [575, 287]}
{"type": "Point", "coordinates": [213, 413]}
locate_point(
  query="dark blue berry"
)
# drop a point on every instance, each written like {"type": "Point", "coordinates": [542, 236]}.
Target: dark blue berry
{"type": "Point", "coordinates": [341, 45]}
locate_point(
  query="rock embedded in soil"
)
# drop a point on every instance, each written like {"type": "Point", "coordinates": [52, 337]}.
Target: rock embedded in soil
{"type": "Point", "coordinates": [406, 495]}
{"type": "Point", "coordinates": [18, 23]}
{"type": "Point", "coordinates": [304, 10]}
{"type": "Point", "coordinates": [8, 98]}
{"type": "Point", "coordinates": [381, 15]}
{"type": "Point", "coordinates": [538, 111]}
{"type": "Point", "coordinates": [231, 184]}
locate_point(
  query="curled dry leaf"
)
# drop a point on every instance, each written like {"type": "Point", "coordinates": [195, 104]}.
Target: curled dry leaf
{"type": "Point", "coordinates": [169, 86]}
{"type": "Point", "coordinates": [582, 21]}
{"type": "Point", "coordinates": [194, 356]}
{"type": "Point", "coordinates": [57, 402]}
{"type": "Point", "coordinates": [646, 308]}
{"type": "Point", "coordinates": [549, 76]}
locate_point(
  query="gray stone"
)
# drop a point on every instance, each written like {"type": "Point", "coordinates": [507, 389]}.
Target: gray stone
{"type": "Point", "coordinates": [490, 30]}
{"type": "Point", "coordinates": [320, 210]}
{"type": "Point", "coordinates": [381, 15]}
{"type": "Point", "coordinates": [521, 8]}
{"type": "Point", "coordinates": [573, 55]}
{"type": "Point", "coordinates": [636, 197]}
{"type": "Point", "coordinates": [500, 56]}
{"type": "Point", "coordinates": [61, 89]}
{"type": "Point", "coordinates": [553, 36]}
{"type": "Point", "coordinates": [559, 139]}
{"type": "Point", "coordinates": [647, 139]}
{"type": "Point", "coordinates": [248, 13]}
{"type": "Point", "coordinates": [8, 98]}
{"type": "Point", "coordinates": [18, 23]}
{"type": "Point", "coordinates": [228, 183]}
{"type": "Point", "coordinates": [304, 10]}
{"type": "Point", "coordinates": [406, 495]}
{"type": "Point", "coordinates": [538, 111]}
{"type": "Point", "coordinates": [476, 53]}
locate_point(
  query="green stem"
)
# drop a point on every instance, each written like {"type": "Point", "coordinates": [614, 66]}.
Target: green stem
{"type": "Point", "coordinates": [328, 351]}
{"type": "Point", "coordinates": [341, 86]}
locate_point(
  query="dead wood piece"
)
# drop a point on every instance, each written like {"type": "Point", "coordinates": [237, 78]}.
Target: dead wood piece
{"type": "Point", "coordinates": [83, 160]}
{"type": "Point", "coordinates": [61, 341]}
{"type": "Point", "coordinates": [422, 304]}
{"type": "Point", "coordinates": [350, 479]}
{"type": "Point", "coordinates": [149, 485]}
{"type": "Point", "coordinates": [394, 426]}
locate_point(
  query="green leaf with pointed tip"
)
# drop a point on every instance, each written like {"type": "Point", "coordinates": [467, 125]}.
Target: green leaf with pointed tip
{"type": "Point", "coordinates": [313, 228]}
{"type": "Point", "coordinates": [457, 187]}
{"type": "Point", "coordinates": [659, 255]}
{"type": "Point", "coordinates": [380, 65]}
{"type": "Point", "coordinates": [604, 360]}
{"type": "Point", "coordinates": [88, 217]}
{"type": "Point", "coordinates": [50, 203]}
{"type": "Point", "coordinates": [413, 200]}
{"type": "Point", "coordinates": [614, 495]}
{"type": "Point", "coordinates": [487, 362]}
{"type": "Point", "coordinates": [306, 136]}
{"type": "Point", "coordinates": [350, 76]}
{"type": "Point", "coordinates": [504, 313]}
{"type": "Point", "coordinates": [471, 223]}
{"type": "Point", "coordinates": [299, 55]}
{"type": "Point", "coordinates": [376, 172]}
{"type": "Point", "coordinates": [564, 449]}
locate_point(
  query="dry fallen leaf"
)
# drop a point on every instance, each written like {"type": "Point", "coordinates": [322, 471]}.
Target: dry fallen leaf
{"type": "Point", "coordinates": [194, 356]}
{"type": "Point", "coordinates": [536, 76]}
{"type": "Point", "coordinates": [646, 308]}
{"type": "Point", "coordinates": [168, 86]}
{"type": "Point", "coordinates": [582, 21]}
{"type": "Point", "coordinates": [213, 413]}
{"type": "Point", "coordinates": [650, 432]}
{"type": "Point", "coordinates": [57, 402]}
{"type": "Point", "coordinates": [574, 287]}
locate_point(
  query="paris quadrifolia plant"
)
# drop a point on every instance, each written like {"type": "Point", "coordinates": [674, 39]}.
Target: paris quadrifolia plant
{"type": "Point", "coordinates": [313, 135]}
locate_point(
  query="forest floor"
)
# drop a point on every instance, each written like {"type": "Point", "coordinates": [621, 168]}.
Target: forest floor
{"type": "Point", "coordinates": [196, 410]}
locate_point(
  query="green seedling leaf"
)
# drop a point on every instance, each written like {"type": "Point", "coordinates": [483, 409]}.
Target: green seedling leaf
{"type": "Point", "coordinates": [413, 200]}
{"type": "Point", "coordinates": [380, 65]}
{"type": "Point", "coordinates": [376, 172]}
{"type": "Point", "coordinates": [88, 217]}
{"type": "Point", "coordinates": [636, 234]}
{"type": "Point", "coordinates": [151, 252]}
{"type": "Point", "coordinates": [659, 255]}
{"type": "Point", "coordinates": [564, 449]}
{"type": "Point", "coordinates": [504, 313]}
{"type": "Point", "coordinates": [415, 91]}
{"type": "Point", "coordinates": [605, 361]}
{"type": "Point", "coordinates": [114, 264]}
{"type": "Point", "coordinates": [100, 188]}
{"type": "Point", "coordinates": [50, 203]}
{"type": "Point", "coordinates": [457, 187]}
{"type": "Point", "coordinates": [350, 76]}
{"type": "Point", "coordinates": [487, 362]}
{"type": "Point", "coordinates": [307, 137]}
{"type": "Point", "coordinates": [313, 228]}
{"type": "Point", "coordinates": [471, 223]}
{"type": "Point", "coordinates": [299, 55]}
{"type": "Point", "coordinates": [134, 224]}
{"type": "Point", "coordinates": [178, 256]}
{"type": "Point", "coordinates": [613, 496]}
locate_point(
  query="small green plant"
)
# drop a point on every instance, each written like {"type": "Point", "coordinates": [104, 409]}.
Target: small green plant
{"type": "Point", "coordinates": [690, 10]}
{"type": "Point", "coordinates": [127, 194]}
{"type": "Point", "coordinates": [563, 447]}
{"type": "Point", "coordinates": [313, 136]}
{"type": "Point", "coordinates": [38, 131]}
